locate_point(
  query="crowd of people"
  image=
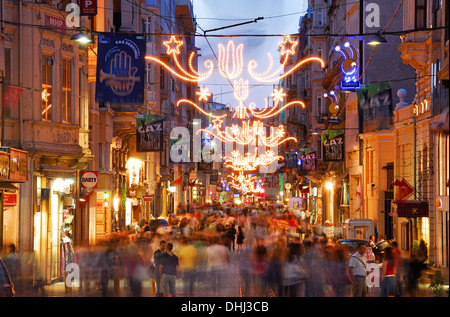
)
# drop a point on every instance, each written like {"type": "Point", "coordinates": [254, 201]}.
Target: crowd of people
{"type": "Point", "coordinates": [272, 252]}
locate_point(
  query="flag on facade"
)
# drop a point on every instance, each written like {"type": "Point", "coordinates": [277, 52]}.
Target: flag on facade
{"type": "Point", "coordinates": [178, 180]}
{"type": "Point", "coordinates": [11, 99]}
{"type": "Point", "coordinates": [359, 195]}
{"type": "Point", "coordinates": [404, 189]}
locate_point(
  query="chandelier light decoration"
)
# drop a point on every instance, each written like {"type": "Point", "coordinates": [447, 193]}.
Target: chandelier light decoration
{"type": "Point", "coordinates": [251, 131]}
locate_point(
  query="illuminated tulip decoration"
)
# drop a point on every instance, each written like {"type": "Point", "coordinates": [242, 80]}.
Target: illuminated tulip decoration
{"type": "Point", "coordinates": [252, 131]}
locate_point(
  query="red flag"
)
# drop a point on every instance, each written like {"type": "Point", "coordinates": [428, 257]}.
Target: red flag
{"type": "Point", "coordinates": [11, 97]}
{"type": "Point", "coordinates": [178, 180]}
{"type": "Point", "coordinates": [359, 195]}
{"type": "Point", "coordinates": [404, 190]}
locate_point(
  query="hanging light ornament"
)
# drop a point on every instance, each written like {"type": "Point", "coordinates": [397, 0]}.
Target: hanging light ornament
{"type": "Point", "coordinates": [252, 131]}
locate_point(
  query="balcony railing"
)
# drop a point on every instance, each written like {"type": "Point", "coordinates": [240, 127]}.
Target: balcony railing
{"type": "Point", "coordinates": [439, 100]}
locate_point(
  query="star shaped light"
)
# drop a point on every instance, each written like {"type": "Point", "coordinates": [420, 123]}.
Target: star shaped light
{"type": "Point", "coordinates": [278, 95]}
{"type": "Point", "coordinates": [45, 95]}
{"type": "Point", "coordinates": [203, 94]}
{"type": "Point", "coordinates": [173, 45]}
{"type": "Point", "coordinates": [288, 46]}
{"type": "Point", "coordinates": [217, 122]}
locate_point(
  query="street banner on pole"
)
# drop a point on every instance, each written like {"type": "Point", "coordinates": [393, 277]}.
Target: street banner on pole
{"type": "Point", "coordinates": [333, 145]}
{"type": "Point", "coordinates": [120, 68]}
{"type": "Point", "coordinates": [149, 133]}
{"type": "Point", "coordinates": [375, 107]}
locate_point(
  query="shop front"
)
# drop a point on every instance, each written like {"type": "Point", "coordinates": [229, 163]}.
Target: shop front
{"type": "Point", "coordinates": [54, 219]}
{"type": "Point", "coordinates": [13, 172]}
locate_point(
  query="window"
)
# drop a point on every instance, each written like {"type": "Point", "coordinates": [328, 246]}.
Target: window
{"type": "Point", "coordinates": [320, 17]}
{"type": "Point", "coordinates": [66, 98]}
{"type": "Point", "coordinates": [421, 14]}
{"type": "Point", "coordinates": [319, 104]}
{"type": "Point", "coordinates": [46, 93]}
{"type": "Point", "coordinates": [435, 8]}
{"type": "Point", "coordinates": [434, 70]}
{"type": "Point", "coordinates": [7, 65]}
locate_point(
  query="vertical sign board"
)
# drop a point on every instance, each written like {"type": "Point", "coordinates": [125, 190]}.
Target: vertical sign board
{"type": "Point", "coordinates": [120, 69]}
{"type": "Point", "coordinates": [149, 133]}
{"type": "Point", "coordinates": [333, 145]}
{"type": "Point", "coordinates": [18, 168]}
{"type": "Point", "coordinates": [375, 107]}
{"type": "Point", "coordinates": [4, 166]}
{"type": "Point", "coordinates": [88, 7]}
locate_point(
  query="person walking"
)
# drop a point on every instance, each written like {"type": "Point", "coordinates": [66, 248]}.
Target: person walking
{"type": "Point", "coordinates": [168, 269]}
{"type": "Point", "coordinates": [157, 255]}
{"type": "Point", "coordinates": [389, 285]}
{"type": "Point", "coordinates": [12, 263]}
{"type": "Point", "coordinates": [357, 268]}
{"type": "Point", "coordinates": [188, 257]}
{"type": "Point", "coordinates": [240, 238]}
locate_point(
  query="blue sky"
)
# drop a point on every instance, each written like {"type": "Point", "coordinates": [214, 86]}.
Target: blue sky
{"type": "Point", "coordinates": [280, 17]}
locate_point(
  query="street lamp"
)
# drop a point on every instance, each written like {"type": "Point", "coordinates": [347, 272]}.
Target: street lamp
{"type": "Point", "coordinates": [376, 40]}
{"type": "Point", "coordinates": [81, 38]}
{"type": "Point", "coordinates": [329, 185]}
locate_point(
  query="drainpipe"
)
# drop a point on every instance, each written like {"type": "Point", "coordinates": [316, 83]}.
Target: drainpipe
{"type": "Point", "coordinates": [19, 47]}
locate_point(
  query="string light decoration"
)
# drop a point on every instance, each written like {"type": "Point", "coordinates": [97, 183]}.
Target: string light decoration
{"type": "Point", "coordinates": [250, 162]}
{"type": "Point", "coordinates": [173, 50]}
{"type": "Point", "coordinates": [251, 130]}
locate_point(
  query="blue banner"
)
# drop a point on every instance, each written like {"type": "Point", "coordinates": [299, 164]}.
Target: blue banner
{"type": "Point", "coordinates": [120, 68]}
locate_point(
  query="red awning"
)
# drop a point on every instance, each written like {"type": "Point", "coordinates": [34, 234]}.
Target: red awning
{"type": "Point", "coordinates": [411, 208]}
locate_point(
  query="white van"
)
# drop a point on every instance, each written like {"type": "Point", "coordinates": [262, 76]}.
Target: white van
{"type": "Point", "coordinates": [359, 229]}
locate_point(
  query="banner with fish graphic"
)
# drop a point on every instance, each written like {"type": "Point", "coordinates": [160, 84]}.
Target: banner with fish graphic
{"type": "Point", "coordinates": [120, 68]}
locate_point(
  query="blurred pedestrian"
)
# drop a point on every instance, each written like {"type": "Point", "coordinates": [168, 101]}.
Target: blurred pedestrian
{"type": "Point", "coordinates": [137, 273]}
{"type": "Point", "coordinates": [240, 238]}
{"type": "Point", "coordinates": [12, 263]}
{"type": "Point", "coordinates": [157, 255]}
{"type": "Point", "coordinates": [338, 273]}
{"type": "Point", "coordinates": [292, 276]}
{"type": "Point", "coordinates": [260, 262]}
{"type": "Point", "coordinates": [398, 266]}
{"type": "Point", "coordinates": [415, 268]}
{"type": "Point", "coordinates": [357, 268]}
{"type": "Point", "coordinates": [168, 269]}
{"type": "Point", "coordinates": [217, 257]}
{"type": "Point", "coordinates": [372, 241]}
{"type": "Point", "coordinates": [273, 272]}
{"type": "Point", "coordinates": [231, 235]}
{"type": "Point", "coordinates": [188, 257]}
{"type": "Point", "coordinates": [389, 285]}
{"type": "Point", "coordinates": [315, 266]}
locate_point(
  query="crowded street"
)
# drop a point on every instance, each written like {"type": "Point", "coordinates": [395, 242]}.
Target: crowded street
{"type": "Point", "coordinates": [278, 256]}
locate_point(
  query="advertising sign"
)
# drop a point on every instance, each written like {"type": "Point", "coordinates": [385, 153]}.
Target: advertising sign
{"type": "Point", "coordinates": [89, 179]}
{"type": "Point", "coordinates": [375, 107]}
{"type": "Point", "coordinates": [88, 7]}
{"type": "Point", "coordinates": [9, 200]}
{"type": "Point", "coordinates": [333, 145]}
{"type": "Point", "coordinates": [120, 68]}
{"type": "Point", "coordinates": [308, 159]}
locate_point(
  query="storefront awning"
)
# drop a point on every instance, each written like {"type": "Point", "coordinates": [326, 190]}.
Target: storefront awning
{"type": "Point", "coordinates": [8, 186]}
{"type": "Point", "coordinates": [411, 208]}
{"type": "Point", "coordinates": [54, 171]}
